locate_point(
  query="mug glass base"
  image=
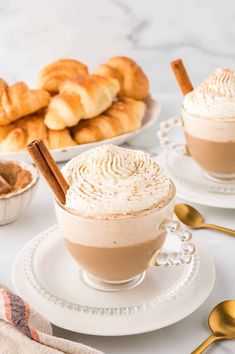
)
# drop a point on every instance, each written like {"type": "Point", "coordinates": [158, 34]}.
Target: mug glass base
{"type": "Point", "coordinates": [220, 177]}
{"type": "Point", "coordinates": [111, 286]}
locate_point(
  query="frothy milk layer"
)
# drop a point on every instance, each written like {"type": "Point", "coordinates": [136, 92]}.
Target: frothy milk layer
{"type": "Point", "coordinates": [209, 110]}
{"type": "Point", "coordinates": [208, 128]}
{"type": "Point", "coordinates": [215, 97]}
{"type": "Point", "coordinates": [116, 232]}
{"type": "Point", "coordinates": [109, 181]}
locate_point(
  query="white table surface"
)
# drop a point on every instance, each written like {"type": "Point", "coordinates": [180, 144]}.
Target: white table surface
{"type": "Point", "coordinates": [180, 338]}
{"type": "Point", "coordinates": [177, 339]}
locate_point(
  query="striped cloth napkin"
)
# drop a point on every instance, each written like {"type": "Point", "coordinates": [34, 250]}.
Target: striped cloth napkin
{"type": "Point", "coordinates": [25, 331]}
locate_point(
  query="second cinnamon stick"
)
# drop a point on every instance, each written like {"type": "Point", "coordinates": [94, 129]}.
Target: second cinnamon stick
{"type": "Point", "coordinates": [181, 76]}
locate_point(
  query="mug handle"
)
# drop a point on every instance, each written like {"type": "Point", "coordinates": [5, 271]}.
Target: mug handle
{"type": "Point", "coordinates": [163, 131]}
{"type": "Point", "coordinates": [185, 252]}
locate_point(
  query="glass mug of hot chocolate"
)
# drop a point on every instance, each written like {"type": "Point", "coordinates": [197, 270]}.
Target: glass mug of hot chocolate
{"type": "Point", "coordinates": [117, 209]}
{"type": "Point", "coordinates": [208, 119]}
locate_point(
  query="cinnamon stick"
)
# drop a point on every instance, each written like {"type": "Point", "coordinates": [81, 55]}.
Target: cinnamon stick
{"type": "Point", "coordinates": [181, 76]}
{"type": "Point", "coordinates": [49, 169]}
{"type": "Point", "coordinates": [53, 166]}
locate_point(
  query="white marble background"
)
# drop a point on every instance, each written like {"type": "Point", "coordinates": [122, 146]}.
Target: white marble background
{"type": "Point", "coordinates": [154, 32]}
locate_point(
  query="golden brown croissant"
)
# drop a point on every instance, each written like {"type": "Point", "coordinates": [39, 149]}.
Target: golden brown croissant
{"type": "Point", "coordinates": [53, 74]}
{"type": "Point", "coordinates": [80, 98]}
{"type": "Point", "coordinates": [34, 127]}
{"type": "Point", "coordinates": [18, 100]}
{"type": "Point", "coordinates": [133, 82]}
{"type": "Point", "coordinates": [16, 136]}
{"type": "Point", "coordinates": [64, 110]}
{"type": "Point", "coordinates": [5, 130]}
{"type": "Point", "coordinates": [59, 139]}
{"type": "Point", "coordinates": [14, 141]}
{"type": "Point", "coordinates": [125, 115]}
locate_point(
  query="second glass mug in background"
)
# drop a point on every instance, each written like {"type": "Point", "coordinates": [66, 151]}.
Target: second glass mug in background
{"type": "Point", "coordinates": [209, 141]}
{"type": "Point", "coordinates": [117, 251]}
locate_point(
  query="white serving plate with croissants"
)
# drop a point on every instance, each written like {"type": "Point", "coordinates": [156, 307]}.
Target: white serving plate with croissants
{"type": "Point", "coordinates": [73, 110]}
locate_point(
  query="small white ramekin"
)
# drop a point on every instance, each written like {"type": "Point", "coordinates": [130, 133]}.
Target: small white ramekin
{"type": "Point", "coordinates": [13, 205]}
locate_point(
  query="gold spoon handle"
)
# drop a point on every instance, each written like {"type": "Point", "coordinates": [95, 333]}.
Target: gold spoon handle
{"type": "Point", "coordinates": [204, 345]}
{"type": "Point", "coordinates": [220, 228]}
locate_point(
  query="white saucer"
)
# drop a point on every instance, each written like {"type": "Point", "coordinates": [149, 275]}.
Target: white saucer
{"type": "Point", "coordinates": [193, 185]}
{"type": "Point", "coordinates": [49, 279]}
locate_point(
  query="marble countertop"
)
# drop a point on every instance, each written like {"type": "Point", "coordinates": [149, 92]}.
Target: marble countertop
{"type": "Point", "coordinates": [153, 32]}
{"type": "Point", "coordinates": [34, 33]}
{"type": "Point", "coordinates": [180, 338]}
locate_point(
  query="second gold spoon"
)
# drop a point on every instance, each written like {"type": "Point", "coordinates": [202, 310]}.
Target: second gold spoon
{"type": "Point", "coordinates": [192, 218]}
{"type": "Point", "coordinates": [222, 324]}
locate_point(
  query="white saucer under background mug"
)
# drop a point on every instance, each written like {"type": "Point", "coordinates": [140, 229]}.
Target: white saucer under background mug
{"type": "Point", "coordinates": [215, 156]}
{"type": "Point", "coordinates": [109, 266]}
{"type": "Point", "coordinates": [194, 186]}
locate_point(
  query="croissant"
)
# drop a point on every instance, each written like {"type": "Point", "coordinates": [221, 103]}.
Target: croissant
{"type": "Point", "coordinates": [18, 101]}
{"type": "Point", "coordinates": [5, 130]}
{"type": "Point", "coordinates": [52, 75]}
{"type": "Point", "coordinates": [133, 81]}
{"type": "Point", "coordinates": [59, 139]}
{"type": "Point", "coordinates": [82, 97]}
{"type": "Point", "coordinates": [34, 127]}
{"type": "Point", "coordinates": [125, 115]}
{"type": "Point", "coordinates": [14, 141]}
{"type": "Point", "coordinates": [65, 110]}
{"type": "Point", "coordinates": [16, 136]}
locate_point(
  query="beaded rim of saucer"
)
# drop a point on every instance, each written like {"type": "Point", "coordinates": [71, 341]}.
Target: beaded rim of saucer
{"type": "Point", "coordinates": [166, 297]}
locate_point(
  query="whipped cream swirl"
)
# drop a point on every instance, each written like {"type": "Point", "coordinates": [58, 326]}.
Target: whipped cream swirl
{"type": "Point", "coordinates": [215, 97]}
{"type": "Point", "coordinates": [111, 180]}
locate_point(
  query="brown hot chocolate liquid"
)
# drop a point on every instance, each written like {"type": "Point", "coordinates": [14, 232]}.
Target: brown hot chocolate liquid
{"type": "Point", "coordinates": [116, 263]}
{"type": "Point", "coordinates": [213, 156]}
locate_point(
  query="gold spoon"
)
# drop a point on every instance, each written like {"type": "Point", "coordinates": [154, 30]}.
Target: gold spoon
{"type": "Point", "coordinates": [192, 218]}
{"type": "Point", "coordinates": [222, 324]}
